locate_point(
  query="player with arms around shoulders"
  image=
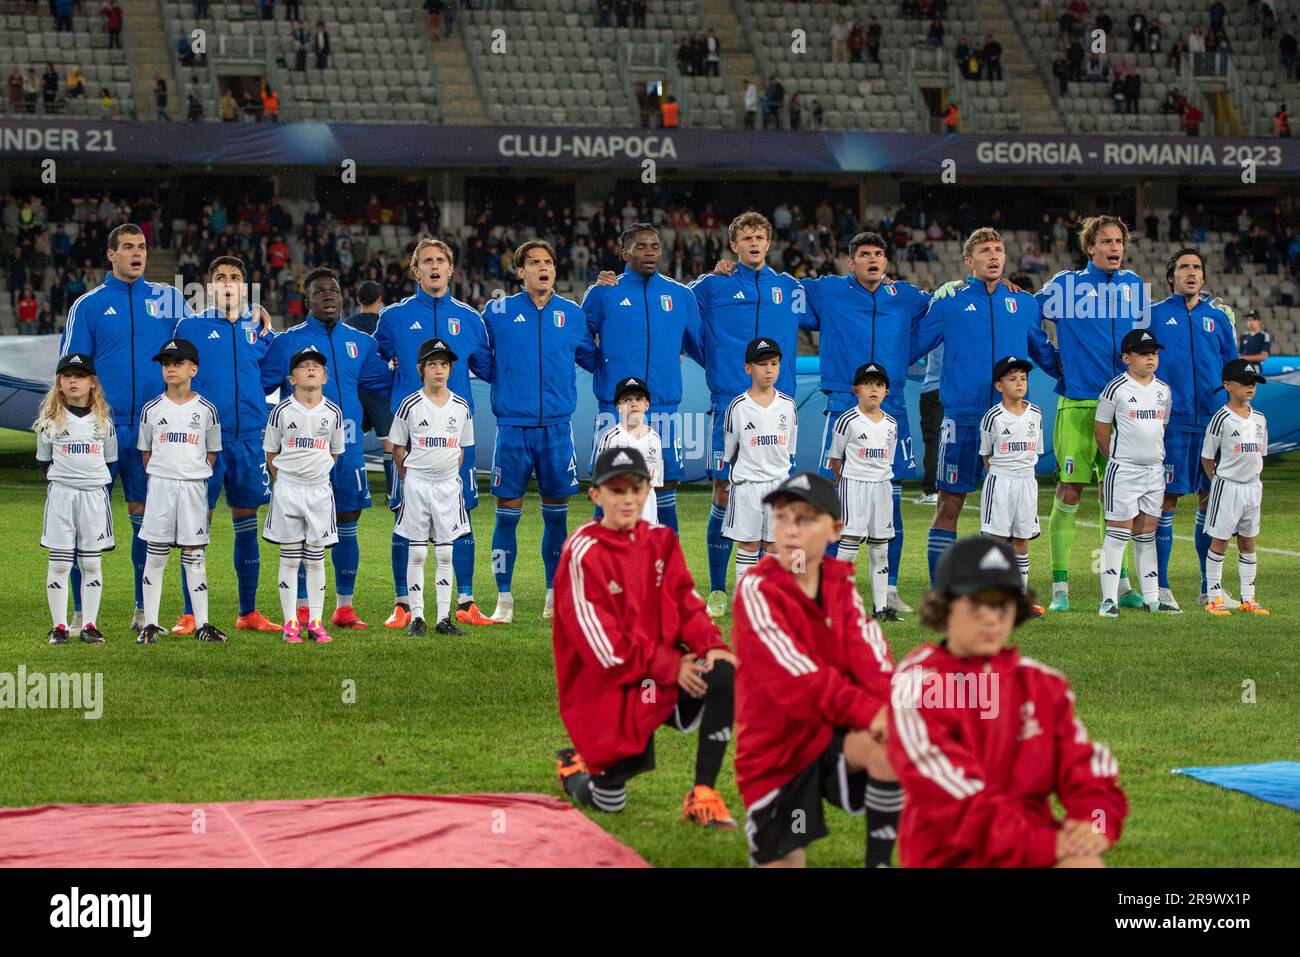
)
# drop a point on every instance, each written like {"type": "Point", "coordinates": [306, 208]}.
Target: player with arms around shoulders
{"type": "Point", "coordinates": [635, 650]}
{"type": "Point", "coordinates": [75, 443]}
{"type": "Point", "coordinates": [303, 441]}
{"type": "Point", "coordinates": [179, 441]}
{"type": "Point", "coordinates": [812, 689]}
{"type": "Point", "coordinates": [632, 399]}
{"type": "Point", "coordinates": [983, 738]}
{"type": "Point", "coordinates": [429, 434]}
{"type": "Point", "coordinates": [1011, 440]}
{"type": "Point", "coordinates": [1236, 441]}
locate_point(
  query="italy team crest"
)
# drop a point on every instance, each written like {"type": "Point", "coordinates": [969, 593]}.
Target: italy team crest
{"type": "Point", "coordinates": [251, 336]}
{"type": "Point", "coordinates": [890, 290]}
{"type": "Point", "coordinates": [152, 307]}
{"type": "Point", "coordinates": [1011, 304]}
{"type": "Point", "coordinates": [776, 296]}
{"type": "Point", "coordinates": [352, 350]}
{"type": "Point", "coordinates": [666, 303]}
{"type": "Point", "coordinates": [453, 327]}
{"type": "Point", "coordinates": [1207, 322]}
{"type": "Point", "coordinates": [558, 318]}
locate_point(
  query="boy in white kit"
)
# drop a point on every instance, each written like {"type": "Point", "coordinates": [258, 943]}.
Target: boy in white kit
{"type": "Point", "coordinates": [1132, 412]}
{"type": "Point", "coordinates": [1236, 441]}
{"type": "Point", "coordinates": [1011, 440]}
{"type": "Point", "coordinates": [861, 455]}
{"type": "Point", "coordinates": [430, 431]}
{"type": "Point", "coordinates": [760, 430]}
{"type": "Point", "coordinates": [303, 439]}
{"type": "Point", "coordinates": [632, 399]}
{"type": "Point", "coordinates": [75, 441]}
{"type": "Point", "coordinates": [180, 436]}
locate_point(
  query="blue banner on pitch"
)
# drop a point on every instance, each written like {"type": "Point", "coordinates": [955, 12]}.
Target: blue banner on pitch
{"type": "Point", "coordinates": [1277, 782]}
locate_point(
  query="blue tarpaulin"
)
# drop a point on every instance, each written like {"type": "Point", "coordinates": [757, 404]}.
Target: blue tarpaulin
{"type": "Point", "coordinates": [1277, 782]}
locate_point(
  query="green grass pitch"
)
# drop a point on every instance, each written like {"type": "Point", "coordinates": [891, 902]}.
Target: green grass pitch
{"type": "Point", "coordinates": [187, 722]}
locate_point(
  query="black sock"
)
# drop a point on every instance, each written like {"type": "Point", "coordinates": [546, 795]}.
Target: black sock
{"type": "Point", "coordinates": [884, 802]}
{"type": "Point", "coordinates": [404, 604]}
{"type": "Point", "coordinates": [464, 605]}
{"type": "Point", "coordinates": [715, 723]}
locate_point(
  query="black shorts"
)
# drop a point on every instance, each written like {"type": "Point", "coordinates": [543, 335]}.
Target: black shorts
{"type": "Point", "coordinates": [685, 718]}
{"type": "Point", "coordinates": [791, 817]}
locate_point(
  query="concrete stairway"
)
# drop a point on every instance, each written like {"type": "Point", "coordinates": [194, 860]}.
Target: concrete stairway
{"type": "Point", "coordinates": [1018, 68]}
{"type": "Point", "coordinates": [148, 51]}
{"type": "Point", "coordinates": [738, 63]}
{"type": "Point", "coordinates": [163, 265]}
{"type": "Point", "coordinates": [458, 100]}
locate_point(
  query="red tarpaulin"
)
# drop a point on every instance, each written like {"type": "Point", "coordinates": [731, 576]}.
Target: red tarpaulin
{"type": "Point", "coordinates": [411, 830]}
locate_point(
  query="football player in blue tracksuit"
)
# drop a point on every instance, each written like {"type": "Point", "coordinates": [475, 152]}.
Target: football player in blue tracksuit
{"type": "Point", "coordinates": [120, 325]}
{"type": "Point", "coordinates": [232, 345]}
{"type": "Point", "coordinates": [353, 362]}
{"type": "Point", "coordinates": [536, 338]}
{"type": "Point", "coordinates": [642, 323]}
{"type": "Point", "coordinates": [754, 302]}
{"type": "Point", "coordinates": [864, 318]}
{"type": "Point", "coordinates": [432, 313]}
{"type": "Point", "coordinates": [1093, 308]}
{"type": "Point", "coordinates": [1199, 340]}
{"type": "Point", "coordinates": [978, 325]}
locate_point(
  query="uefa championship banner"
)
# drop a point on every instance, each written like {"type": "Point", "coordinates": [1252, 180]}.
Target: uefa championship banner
{"type": "Point", "coordinates": [391, 145]}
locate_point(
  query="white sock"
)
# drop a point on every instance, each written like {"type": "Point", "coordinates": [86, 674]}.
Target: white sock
{"type": "Point", "coordinates": [314, 559]}
{"type": "Point", "coordinates": [1124, 586]}
{"type": "Point", "coordinates": [744, 562]}
{"type": "Point", "coordinates": [442, 576]}
{"type": "Point", "coordinates": [417, 554]}
{"type": "Point", "coordinates": [878, 557]}
{"type": "Point", "coordinates": [155, 564]}
{"type": "Point", "coordinates": [1023, 562]}
{"type": "Point", "coordinates": [1060, 588]}
{"type": "Point", "coordinates": [1144, 564]}
{"type": "Point", "coordinates": [290, 559]}
{"type": "Point", "coordinates": [196, 581]}
{"type": "Point", "coordinates": [1213, 575]}
{"type": "Point", "coordinates": [1245, 571]}
{"type": "Point", "coordinates": [92, 585]}
{"type": "Point", "coordinates": [550, 598]}
{"type": "Point", "coordinates": [56, 586]}
{"type": "Point", "coordinates": [1112, 556]}
{"type": "Point", "coordinates": [848, 548]}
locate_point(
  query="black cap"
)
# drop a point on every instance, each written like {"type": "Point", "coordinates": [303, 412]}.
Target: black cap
{"type": "Point", "coordinates": [75, 361]}
{"type": "Point", "coordinates": [368, 292]}
{"type": "Point", "coordinates": [302, 355]}
{"type": "Point", "coordinates": [870, 370]}
{"type": "Point", "coordinates": [1139, 340]}
{"type": "Point", "coordinates": [618, 461]}
{"type": "Point", "coordinates": [630, 384]}
{"type": "Point", "coordinates": [761, 349]}
{"type": "Point", "coordinates": [808, 487]}
{"type": "Point", "coordinates": [1007, 363]}
{"type": "Point", "coordinates": [976, 563]}
{"type": "Point", "coordinates": [430, 348]}
{"type": "Point", "coordinates": [1239, 370]}
{"type": "Point", "coordinates": [1253, 313]}
{"type": "Point", "coordinates": [178, 349]}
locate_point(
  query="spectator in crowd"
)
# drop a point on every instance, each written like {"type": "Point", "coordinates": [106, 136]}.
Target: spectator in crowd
{"type": "Point", "coordinates": [699, 53]}
{"type": "Point", "coordinates": [873, 34]}
{"type": "Point", "coordinates": [1196, 41]}
{"type": "Point", "coordinates": [270, 104]}
{"type": "Point", "coordinates": [1192, 119]}
{"type": "Point", "coordinates": [639, 8]}
{"type": "Point", "coordinates": [50, 87]}
{"type": "Point", "coordinates": [604, 13]}
{"type": "Point", "coordinates": [15, 85]}
{"type": "Point", "coordinates": [622, 13]}
{"type": "Point", "coordinates": [668, 113]}
{"type": "Point", "coordinates": [796, 112]}
{"type": "Point", "coordinates": [63, 15]}
{"type": "Point", "coordinates": [935, 34]}
{"type": "Point", "coordinates": [1175, 57]}
{"type": "Point", "coordinates": [684, 64]}
{"type": "Point", "coordinates": [321, 44]}
{"type": "Point", "coordinates": [1286, 291]}
{"type": "Point", "coordinates": [1287, 48]}
{"type": "Point", "coordinates": [200, 9]}
{"type": "Point", "coordinates": [775, 97]}
{"type": "Point", "coordinates": [1267, 21]}
{"type": "Point", "coordinates": [1132, 91]}
{"type": "Point", "coordinates": [1281, 122]}
{"type": "Point", "coordinates": [751, 104]}
{"type": "Point", "coordinates": [229, 107]}
{"type": "Point", "coordinates": [1218, 16]}
{"type": "Point", "coordinates": [855, 43]}
{"type": "Point", "coordinates": [112, 15]}
{"type": "Point", "coordinates": [1105, 23]}
{"type": "Point", "coordinates": [1137, 32]}
{"type": "Point", "coordinates": [818, 113]}
{"type": "Point", "coordinates": [961, 55]}
{"type": "Point", "coordinates": [76, 83]}
{"type": "Point", "coordinates": [31, 89]}
{"type": "Point", "coordinates": [1032, 262]}
{"type": "Point", "coordinates": [950, 117]}
{"type": "Point", "coordinates": [45, 320]}
{"type": "Point", "coordinates": [1174, 102]}
{"type": "Point", "coordinates": [839, 40]}
{"type": "Point", "coordinates": [992, 57]}
{"type": "Point", "coordinates": [194, 103]}
{"type": "Point", "coordinates": [1254, 345]}
{"type": "Point", "coordinates": [435, 10]}
{"type": "Point", "coordinates": [301, 41]}
{"type": "Point", "coordinates": [712, 54]}
{"type": "Point", "coordinates": [292, 10]}
{"type": "Point", "coordinates": [1232, 255]}
{"type": "Point", "coordinates": [160, 97]}
{"type": "Point", "coordinates": [267, 9]}
{"type": "Point", "coordinates": [1074, 57]}
{"type": "Point", "coordinates": [1117, 92]}
{"type": "Point", "coordinates": [1153, 38]}
{"type": "Point", "coordinates": [27, 307]}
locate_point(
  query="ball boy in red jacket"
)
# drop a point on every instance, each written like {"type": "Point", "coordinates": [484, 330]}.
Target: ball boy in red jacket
{"type": "Point", "coordinates": [982, 737]}
{"type": "Point", "coordinates": [635, 649]}
{"type": "Point", "coordinates": [811, 689]}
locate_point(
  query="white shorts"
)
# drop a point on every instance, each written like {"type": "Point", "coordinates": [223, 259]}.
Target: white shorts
{"type": "Point", "coordinates": [175, 512]}
{"type": "Point", "coordinates": [748, 519]}
{"type": "Point", "coordinates": [1233, 508]}
{"type": "Point", "coordinates": [1009, 507]}
{"type": "Point", "coordinates": [301, 513]}
{"type": "Point", "coordinates": [1128, 489]}
{"type": "Point", "coordinates": [432, 510]}
{"type": "Point", "coordinates": [867, 509]}
{"type": "Point", "coordinates": [79, 518]}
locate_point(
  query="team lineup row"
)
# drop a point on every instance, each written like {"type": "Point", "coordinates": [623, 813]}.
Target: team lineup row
{"type": "Point", "coordinates": [640, 323]}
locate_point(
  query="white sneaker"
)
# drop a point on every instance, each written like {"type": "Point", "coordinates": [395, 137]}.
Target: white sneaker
{"type": "Point", "coordinates": [928, 498]}
{"type": "Point", "coordinates": [893, 601]}
{"type": "Point", "coordinates": [138, 622]}
{"type": "Point", "coordinates": [505, 610]}
{"type": "Point", "coordinates": [716, 605]}
{"type": "Point", "coordinates": [549, 611]}
{"type": "Point", "coordinates": [74, 626]}
{"type": "Point", "coordinates": [1167, 598]}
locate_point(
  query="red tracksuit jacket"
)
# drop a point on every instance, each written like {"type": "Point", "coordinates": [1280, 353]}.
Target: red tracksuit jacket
{"type": "Point", "coordinates": [804, 670]}
{"type": "Point", "coordinates": [978, 774]}
{"type": "Point", "coordinates": [626, 610]}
